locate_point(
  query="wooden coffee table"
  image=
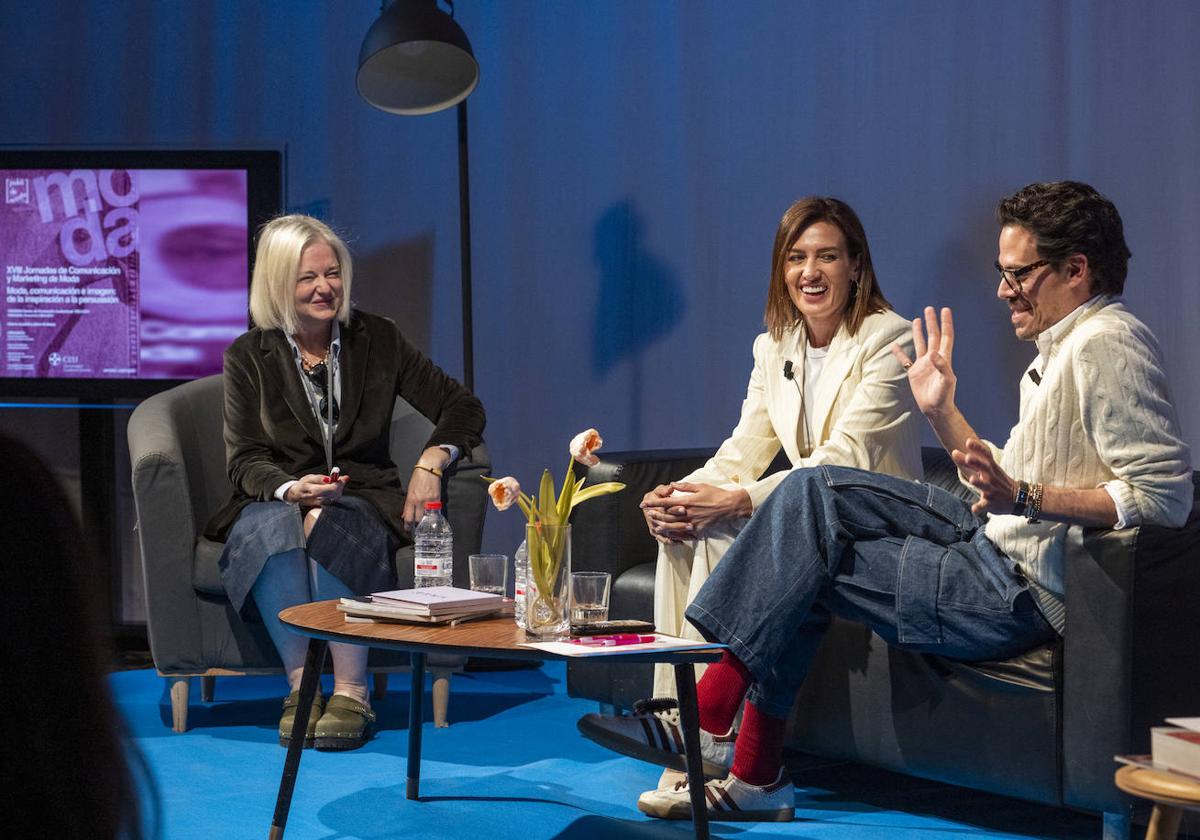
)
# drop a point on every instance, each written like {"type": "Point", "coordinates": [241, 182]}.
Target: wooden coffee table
{"type": "Point", "coordinates": [498, 638]}
{"type": "Point", "coordinates": [1170, 793]}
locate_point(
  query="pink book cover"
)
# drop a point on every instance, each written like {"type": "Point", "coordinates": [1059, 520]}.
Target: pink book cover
{"type": "Point", "coordinates": [1184, 735]}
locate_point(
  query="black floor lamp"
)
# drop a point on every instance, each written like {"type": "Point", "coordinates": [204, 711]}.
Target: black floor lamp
{"type": "Point", "coordinates": [416, 60]}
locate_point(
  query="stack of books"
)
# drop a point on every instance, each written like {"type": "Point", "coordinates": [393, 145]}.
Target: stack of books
{"type": "Point", "coordinates": [1173, 749]}
{"type": "Point", "coordinates": [428, 605]}
{"type": "Point", "coordinates": [1177, 747]}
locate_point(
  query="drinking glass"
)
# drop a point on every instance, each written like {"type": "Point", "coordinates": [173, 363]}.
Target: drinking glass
{"type": "Point", "coordinates": [589, 597]}
{"type": "Point", "coordinates": [489, 572]}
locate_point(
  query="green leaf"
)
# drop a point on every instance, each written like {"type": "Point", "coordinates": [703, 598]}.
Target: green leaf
{"type": "Point", "coordinates": [602, 489]}
{"type": "Point", "coordinates": [526, 507]}
{"type": "Point", "coordinates": [568, 490]}
{"type": "Point", "coordinates": [546, 508]}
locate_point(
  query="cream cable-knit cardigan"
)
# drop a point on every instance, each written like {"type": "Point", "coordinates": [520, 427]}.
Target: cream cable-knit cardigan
{"type": "Point", "coordinates": [1102, 412]}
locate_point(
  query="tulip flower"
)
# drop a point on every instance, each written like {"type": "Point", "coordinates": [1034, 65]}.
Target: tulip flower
{"type": "Point", "coordinates": [504, 491]}
{"type": "Point", "coordinates": [551, 507]}
{"type": "Point", "coordinates": [583, 445]}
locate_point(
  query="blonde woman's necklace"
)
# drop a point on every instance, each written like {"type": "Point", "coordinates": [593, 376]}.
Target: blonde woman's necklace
{"type": "Point", "coordinates": [310, 360]}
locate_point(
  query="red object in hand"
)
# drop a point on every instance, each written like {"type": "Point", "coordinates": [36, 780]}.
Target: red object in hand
{"type": "Point", "coordinates": [327, 480]}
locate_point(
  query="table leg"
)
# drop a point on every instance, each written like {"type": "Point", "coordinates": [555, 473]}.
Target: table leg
{"type": "Point", "coordinates": [314, 661]}
{"type": "Point", "coordinates": [415, 696]}
{"type": "Point", "coordinates": [1164, 822]}
{"type": "Point", "coordinates": [689, 717]}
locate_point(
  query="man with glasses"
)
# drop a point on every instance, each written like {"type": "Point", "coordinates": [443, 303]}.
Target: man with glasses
{"type": "Point", "coordinates": [1097, 445]}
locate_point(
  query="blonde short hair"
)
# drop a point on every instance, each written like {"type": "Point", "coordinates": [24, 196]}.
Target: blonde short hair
{"type": "Point", "coordinates": [276, 263]}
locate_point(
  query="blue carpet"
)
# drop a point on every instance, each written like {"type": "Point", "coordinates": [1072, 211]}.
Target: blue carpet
{"type": "Point", "coordinates": [511, 765]}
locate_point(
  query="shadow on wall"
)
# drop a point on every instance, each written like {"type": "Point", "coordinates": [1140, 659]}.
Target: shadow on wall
{"type": "Point", "coordinates": [640, 299]}
{"type": "Point", "coordinates": [988, 359]}
{"type": "Point", "coordinates": [396, 281]}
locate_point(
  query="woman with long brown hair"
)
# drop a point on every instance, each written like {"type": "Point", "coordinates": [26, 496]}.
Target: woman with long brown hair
{"type": "Point", "coordinates": [825, 388]}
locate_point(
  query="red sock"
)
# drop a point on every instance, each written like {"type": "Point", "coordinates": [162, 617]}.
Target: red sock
{"type": "Point", "coordinates": [720, 692]}
{"type": "Point", "coordinates": [758, 755]}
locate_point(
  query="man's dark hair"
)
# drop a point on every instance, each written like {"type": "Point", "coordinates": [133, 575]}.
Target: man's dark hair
{"type": "Point", "coordinates": [1067, 218]}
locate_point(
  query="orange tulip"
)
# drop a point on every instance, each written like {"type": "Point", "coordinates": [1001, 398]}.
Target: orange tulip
{"type": "Point", "coordinates": [583, 445]}
{"type": "Point", "coordinates": [504, 491]}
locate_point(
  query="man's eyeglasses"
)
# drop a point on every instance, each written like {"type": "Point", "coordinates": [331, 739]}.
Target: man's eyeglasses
{"type": "Point", "coordinates": [1015, 277]}
{"type": "Point", "coordinates": [318, 376]}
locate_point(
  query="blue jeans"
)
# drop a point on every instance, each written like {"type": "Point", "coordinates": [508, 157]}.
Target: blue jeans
{"type": "Point", "coordinates": [288, 579]}
{"type": "Point", "coordinates": [350, 541]}
{"type": "Point", "coordinates": [907, 559]}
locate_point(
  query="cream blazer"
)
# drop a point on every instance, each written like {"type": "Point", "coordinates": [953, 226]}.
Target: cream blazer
{"type": "Point", "coordinates": [863, 413]}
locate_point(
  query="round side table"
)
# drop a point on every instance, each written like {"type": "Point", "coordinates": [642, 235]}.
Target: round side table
{"type": "Point", "coordinates": [1169, 792]}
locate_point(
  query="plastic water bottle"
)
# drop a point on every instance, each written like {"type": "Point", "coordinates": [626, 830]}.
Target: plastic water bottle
{"type": "Point", "coordinates": [521, 585]}
{"type": "Point", "coordinates": [433, 549]}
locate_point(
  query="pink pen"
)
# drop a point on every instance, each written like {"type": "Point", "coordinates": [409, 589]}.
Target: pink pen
{"type": "Point", "coordinates": [613, 641]}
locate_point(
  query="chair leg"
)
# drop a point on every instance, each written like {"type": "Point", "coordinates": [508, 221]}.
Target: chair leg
{"type": "Point", "coordinates": [1116, 825]}
{"type": "Point", "coordinates": [441, 696]}
{"type": "Point", "coordinates": [380, 681]}
{"type": "Point", "coordinates": [180, 687]}
{"type": "Point", "coordinates": [208, 688]}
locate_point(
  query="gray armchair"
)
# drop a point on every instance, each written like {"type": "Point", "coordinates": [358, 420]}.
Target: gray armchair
{"type": "Point", "coordinates": [178, 458]}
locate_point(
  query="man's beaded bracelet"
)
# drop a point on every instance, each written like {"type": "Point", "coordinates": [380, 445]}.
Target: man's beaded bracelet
{"type": "Point", "coordinates": [1035, 503]}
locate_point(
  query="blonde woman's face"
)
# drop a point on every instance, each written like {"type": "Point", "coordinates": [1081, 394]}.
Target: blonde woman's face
{"type": "Point", "coordinates": [318, 291]}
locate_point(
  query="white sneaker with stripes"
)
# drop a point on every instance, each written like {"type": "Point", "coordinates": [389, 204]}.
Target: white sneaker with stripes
{"type": "Point", "coordinates": [655, 735]}
{"type": "Point", "coordinates": [728, 799]}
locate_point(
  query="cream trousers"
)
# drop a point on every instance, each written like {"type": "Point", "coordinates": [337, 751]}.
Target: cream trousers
{"type": "Point", "coordinates": [682, 569]}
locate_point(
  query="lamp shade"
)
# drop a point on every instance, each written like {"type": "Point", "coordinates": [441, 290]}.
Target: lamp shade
{"type": "Point", "coordinates": [415, 60]}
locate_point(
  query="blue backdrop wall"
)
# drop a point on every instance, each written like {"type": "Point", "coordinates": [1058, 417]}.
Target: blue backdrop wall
{"type": "Point", "coordinates": [630, 161]}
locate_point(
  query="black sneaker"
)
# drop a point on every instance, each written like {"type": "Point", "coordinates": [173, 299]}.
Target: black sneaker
{"type": "Point", "coordinates": [653, 733]}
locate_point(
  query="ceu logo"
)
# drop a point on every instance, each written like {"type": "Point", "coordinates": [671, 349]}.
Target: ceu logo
{"type": "Point", "coordinates": [16, 190]}
{"type": "Point", "coordinates": [55, 359]}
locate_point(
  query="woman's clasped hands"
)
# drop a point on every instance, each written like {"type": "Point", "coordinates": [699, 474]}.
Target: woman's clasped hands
{"type": "Point", "coordinates": [682, 510]}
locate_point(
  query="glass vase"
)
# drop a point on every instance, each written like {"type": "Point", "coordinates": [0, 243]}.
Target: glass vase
{"type": "Point", "coordinates": [548, 609]}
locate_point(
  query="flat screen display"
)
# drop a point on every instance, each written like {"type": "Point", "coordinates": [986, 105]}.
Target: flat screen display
{"type": "Point", "coordinates": [126, 272]}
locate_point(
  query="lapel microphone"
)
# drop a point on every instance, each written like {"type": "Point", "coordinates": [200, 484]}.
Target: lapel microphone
{"type": "Point", "coordinates": [1033, 374]}
{"type": "Point", "coordinates": [790, 374]}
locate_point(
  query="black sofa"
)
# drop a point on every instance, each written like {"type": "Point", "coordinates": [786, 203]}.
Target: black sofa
{"type": "Point", "coordinates": [1043, 726]}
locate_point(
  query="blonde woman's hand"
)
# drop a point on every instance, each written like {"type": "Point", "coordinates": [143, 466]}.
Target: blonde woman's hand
{"type": "Point", "coordinates": [315, 490]}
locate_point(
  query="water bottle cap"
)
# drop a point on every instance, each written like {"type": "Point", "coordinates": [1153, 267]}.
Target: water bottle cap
{"type": "Point", "coordinates": [433, 506]}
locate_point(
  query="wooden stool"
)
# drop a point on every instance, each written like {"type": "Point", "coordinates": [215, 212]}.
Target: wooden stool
{"type": "Point", "coordinates": [1169, 792]}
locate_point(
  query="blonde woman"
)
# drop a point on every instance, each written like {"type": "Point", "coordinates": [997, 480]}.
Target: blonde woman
{"type": "Point", "coordinates": [311, 387]}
